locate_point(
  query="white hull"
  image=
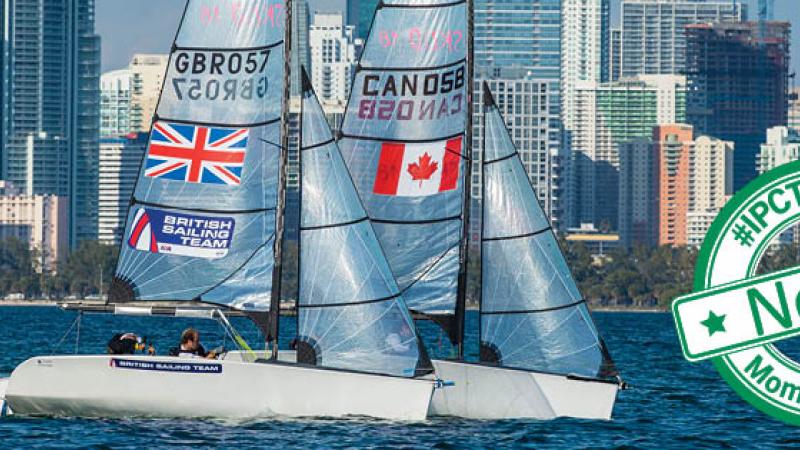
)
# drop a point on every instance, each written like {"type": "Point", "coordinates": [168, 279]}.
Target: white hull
{"type": "Point", "coordinates": [485, 392]}
{"type": "Point", "coordinates": [142, 386]}
{"type": "Point", "coordinates": [3, 385]}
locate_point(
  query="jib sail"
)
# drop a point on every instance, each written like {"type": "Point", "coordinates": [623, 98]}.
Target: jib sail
{"type": "Point", "coordinates": [403, 139]}
{"type": "Point", "coordinates": [202, 218]}
{"type": "Point", "coordinates": [532, 315]}
{"type": "Point", "coordinates": [351, 314]}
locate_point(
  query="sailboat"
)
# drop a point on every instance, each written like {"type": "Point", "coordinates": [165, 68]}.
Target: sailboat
{"type": "Point", "coordinates": [204, 232]}
{"type": "Point", "coordinates": [541, 355]}
{"type": "Point", "coordinates": [405, 137]}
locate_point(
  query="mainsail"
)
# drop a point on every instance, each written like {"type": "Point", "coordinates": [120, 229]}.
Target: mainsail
{"type": "Point", "coordinates": [351, 314]}
{"type": "Point", "coordinates": [403, 139]}
{"type": "Point", "coordinates": [532, 315]}
{"type": "Point", "coordinates": [202, 218]}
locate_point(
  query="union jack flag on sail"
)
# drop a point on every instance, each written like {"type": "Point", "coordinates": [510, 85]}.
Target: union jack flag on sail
{"type": "Point", "coordinates": [196, 154]}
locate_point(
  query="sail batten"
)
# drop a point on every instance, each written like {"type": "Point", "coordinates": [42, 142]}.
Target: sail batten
{"type": "Point", "coordinates": [351, 313]}
{"type": "Point", "coordinates": [532, 315]}
{"type": "Point", "coordinates": [403, 139]}
{"type": "Point", "coordinates": [202, 220]}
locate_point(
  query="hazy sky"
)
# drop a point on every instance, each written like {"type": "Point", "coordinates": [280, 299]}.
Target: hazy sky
{"type": "Point", "coordinates": [143, 26]}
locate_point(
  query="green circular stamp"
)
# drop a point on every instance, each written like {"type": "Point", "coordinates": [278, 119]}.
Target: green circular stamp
{"type": "Point", "coordinates": [734, 316]}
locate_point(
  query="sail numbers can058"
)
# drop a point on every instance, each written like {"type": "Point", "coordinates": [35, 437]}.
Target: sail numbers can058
{"type": "Point", "coordinates": [221, 75]}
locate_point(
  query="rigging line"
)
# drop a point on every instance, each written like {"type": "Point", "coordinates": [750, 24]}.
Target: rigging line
{"type": "Point", "coordinates": [334, 225]}
{"type": "Point", "coordinates": [135, 201]}
{"type": "Point", "coordinates": [343, 135]}
{"type": "Point", "coordinates": [218, 124]}
{"type": "Point", "coordinates": [425, 272]}
{"type": "Point", "coordinates": [534, 311]}
{"type": "Point", "coordinates": [415, 222]}
{"type": "Point", "coordinates": [345, 304]}
{"type": "Point", "coordinates": [227, 49]}
{"type": "Point", "coordinates": [360, 68]}
{"type": "Point", "coordinates": [279, 146]}
{"type": "Point", "coordinates": [516, 236]}
{"type": "Point", "coordinates": [503, 158]}
{"type": "Point", "coordinates": [317, 145]}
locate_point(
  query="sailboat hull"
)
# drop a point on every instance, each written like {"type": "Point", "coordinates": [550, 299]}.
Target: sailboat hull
{"type": "Point", "coordinates": [141, 386]}
{"type": "Point", "coordinates": [3, 408]}
{"type": "Point", "coordinates": [486, 392]}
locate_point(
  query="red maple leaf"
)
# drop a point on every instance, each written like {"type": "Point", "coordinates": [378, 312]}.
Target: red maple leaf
{"type": "Point", "coordinates": [422, 170]}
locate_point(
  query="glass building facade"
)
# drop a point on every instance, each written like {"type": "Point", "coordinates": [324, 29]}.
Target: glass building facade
{"type": "Point", "coordinates": [51, 104]}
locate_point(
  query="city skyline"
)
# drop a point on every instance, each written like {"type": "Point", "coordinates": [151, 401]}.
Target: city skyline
{"type": "Point", "coordinates": [119, 22]}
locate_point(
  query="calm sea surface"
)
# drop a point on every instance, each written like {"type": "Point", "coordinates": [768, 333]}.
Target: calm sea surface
{"type": "Point", "coordinates": [674, 404]}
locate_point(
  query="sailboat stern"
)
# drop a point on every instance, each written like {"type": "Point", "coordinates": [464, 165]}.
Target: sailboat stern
{"type": "Point", "coordinates": [487, 392]}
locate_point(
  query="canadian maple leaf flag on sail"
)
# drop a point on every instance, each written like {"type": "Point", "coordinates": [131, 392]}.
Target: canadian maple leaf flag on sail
{"type": "Point", "coordinates": [415, 170]}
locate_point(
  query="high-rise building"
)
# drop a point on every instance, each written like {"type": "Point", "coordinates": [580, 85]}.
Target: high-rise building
{"type": "Point", "coordinates": [608, 115]}
{"type": "Point", "coordinates": [50, 87]}
{"type": "Point", "coordinates": [694, 178]}
{"type": "Point", "coordinates": [521, 42]}
{"type": "Point", "coordinates": [615, 55]}
{"type": "Point", "coordinates": [782, 146]}
{"type": "Point", "coordinates": [654, 36]}
{"type": "Point", "coordinates": [120, 157]}
{"type": "Point", "coordinates": [638, 197]}
{"type": "Point", "coordinates": [672, 145]}
{"type": "Point", "coordinates": [147, 77]}
{"type": "Point", "coordinates": [527, 109]}
{"type": "Point", "coordinates": [115, 103]}
{"type": "Point", "coordinates": [794, 109]}
{"type": "Point", "coordinates": [333, 58]}
{"type": "Point", "coordinates": [39, 220]}
{"type": "Point", "coordinates": [738, 85]}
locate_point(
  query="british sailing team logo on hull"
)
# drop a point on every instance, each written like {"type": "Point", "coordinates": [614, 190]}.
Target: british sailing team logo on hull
{"type": "Point", "coordinates": [196, 154]}
{"type": "Point", "coordinates": [171, 233]}
{"type": "Point", "coordinates": [418, 170]}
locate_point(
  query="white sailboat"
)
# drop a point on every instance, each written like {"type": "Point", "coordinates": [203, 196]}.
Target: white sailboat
{"type": "Point", "coordinates": [204, 232]}
{"type": "Point", "coordinates": [405, 138]}
{"type": "Point", "coordinates": [541, 355]}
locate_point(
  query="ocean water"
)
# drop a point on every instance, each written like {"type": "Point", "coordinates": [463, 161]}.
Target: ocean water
{"type": "Point", "coordinates": [673, 404]}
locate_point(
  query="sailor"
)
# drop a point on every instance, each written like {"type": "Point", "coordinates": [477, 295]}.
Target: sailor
{"type": "Point", "coordinates": [127, 344]}
{"type": "Point", "coordinates": [191, 347]}
{"type": "Point", "coordinates": [400, 342]}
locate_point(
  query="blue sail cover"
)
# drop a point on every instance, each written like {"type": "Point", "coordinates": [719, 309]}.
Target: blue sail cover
{"type": "Point", "coordinates": [201, 224]}
{"type": "Point", "coordinates": [351, 314]}
{"type": "Point", "coordinates": [403, 139]}
{"type": "Point", "coordinates": [532, 315]}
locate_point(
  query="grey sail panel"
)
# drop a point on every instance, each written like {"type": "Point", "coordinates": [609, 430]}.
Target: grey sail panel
{"type": "Point", "coordinates": [403, 139]}
{"type": "Point", "coordinates": [532, 314]}
{"type": "Point", "coordinates": [351, 314]}
{"type": "Point", "coordinates": [202, 220]}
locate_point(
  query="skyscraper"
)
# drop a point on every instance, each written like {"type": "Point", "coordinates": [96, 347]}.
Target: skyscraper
{"type": "Point", "coordinates": [794, 109]}
{"type": "Point", "coordinates": [615, 55]}
{"type": "Point", "coordinates": [115, 103]}
{"type": "Point", "coordinates": [738, 77]}
{"type": "Point", "coordinates": [301, 55]}
{"type": "Point", "coordinates": [147, 77]}
{"type": "Point", "coordinates": [521, 41]}
{"type": "Point", "coordinates": [653, 31]}
{"type": "Point", "coordinates": [51, 104]}
{"type": "Point", "coordinates": [119, 161]}
{"type": "Point", "coordinates": [524, 103]}
{"type": "Point", "coordinates": [608, 115]}
{"type": "Point", "coordinates": [333, 59]}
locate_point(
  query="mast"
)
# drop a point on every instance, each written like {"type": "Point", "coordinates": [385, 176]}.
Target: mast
{"type": "Point", "coordinates": [277, 273]}
{"type": "Point", "coordinates": [461, 295]}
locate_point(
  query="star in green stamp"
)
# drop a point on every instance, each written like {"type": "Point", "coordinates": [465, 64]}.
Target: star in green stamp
{"type": "Point", "coordinates": [734, 316]}
{"type": "Point", "coordinates": [714, 323]}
